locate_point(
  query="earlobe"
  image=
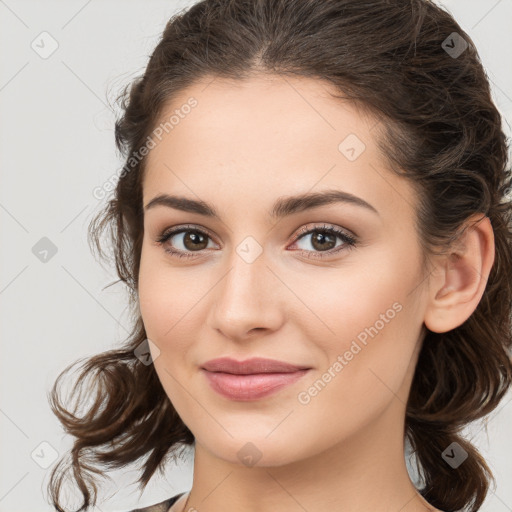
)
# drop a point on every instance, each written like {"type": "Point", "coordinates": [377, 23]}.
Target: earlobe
{"type": "Point", "coordinates": [459, 279]}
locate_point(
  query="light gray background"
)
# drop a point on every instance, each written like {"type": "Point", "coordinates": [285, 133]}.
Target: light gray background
{"type": "Point", "coordinates": [56, 146]}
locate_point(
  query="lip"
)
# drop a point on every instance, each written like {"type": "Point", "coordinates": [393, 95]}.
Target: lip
{"type": "Point", "coordinates": [251, 379]}
{"type": "Point", "coordinates": [251, 366]}
{"type": "Point", "coordinates": [251, 386]}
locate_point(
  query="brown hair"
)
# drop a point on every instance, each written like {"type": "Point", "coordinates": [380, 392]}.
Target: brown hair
{"type": "Point", "coordinates": [441, 129]}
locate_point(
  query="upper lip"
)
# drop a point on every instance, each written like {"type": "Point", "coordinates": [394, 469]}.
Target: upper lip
{"type": "Point", "coordinates": [253, 365]}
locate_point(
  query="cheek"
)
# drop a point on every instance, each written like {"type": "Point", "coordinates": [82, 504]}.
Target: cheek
{"type": "Point", "coordinates": [348, 300]}
{"type": "Point", "coordinates": [148, 292]}
{"type": "Point", "coordinates": [168, 321]}
{"type": "Point", "coordinates": [367, 310]}
{"type": "Point", "coordinates": [170, 305]}
{"type": "Point", "coordinates": [158, 288]}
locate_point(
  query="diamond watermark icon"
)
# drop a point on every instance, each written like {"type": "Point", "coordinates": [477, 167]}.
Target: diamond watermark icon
{"type": "Point", "coordinates": [146, 352]}
{"type": "Point", "coordinates": [455, 455]}
{"type": "Point", "coordinates": [249, 454]}
{"type": "Point", "coordinates": [44, 250]}
{"type": "Point", "coordinates": [249, 249]}
{"type": "Point", "coordinates": [45, 45]}
{"type": "Point", "coordinates": [351, 147]}
{"type": "Point", "coordinates": [44, 455]}
{"type": "Point", "coordinates": [454, 45]}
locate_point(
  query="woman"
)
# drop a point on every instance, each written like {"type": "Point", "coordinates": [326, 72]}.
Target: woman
{"type": "Point", "coordinates": [321, 184]}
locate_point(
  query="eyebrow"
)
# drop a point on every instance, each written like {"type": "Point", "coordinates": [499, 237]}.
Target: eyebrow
{"type": "Point", "coordinates": [282, 207]}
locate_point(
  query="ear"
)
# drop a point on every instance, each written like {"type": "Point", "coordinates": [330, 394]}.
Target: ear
{"type": "Point", "coordinates": [459, 278]}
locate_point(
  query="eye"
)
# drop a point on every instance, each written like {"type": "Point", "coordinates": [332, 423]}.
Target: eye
{"type": "Point", "coordinates": [195, 240]}
{"type": "Point", "coordinates": [324, 241]}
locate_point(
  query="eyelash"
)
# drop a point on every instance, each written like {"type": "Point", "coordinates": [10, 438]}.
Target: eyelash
{"type": "Point", "coordinates": [349, 241]}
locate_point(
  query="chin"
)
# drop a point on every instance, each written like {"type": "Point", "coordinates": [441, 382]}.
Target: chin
{"type": "Point", "coordinates": [253, 450]}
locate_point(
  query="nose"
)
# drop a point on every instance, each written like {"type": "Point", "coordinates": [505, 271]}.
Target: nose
{"type": "Point", "coordinates": [249, 298]}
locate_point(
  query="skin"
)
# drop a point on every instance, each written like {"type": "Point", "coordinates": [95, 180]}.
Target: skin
{"type": "Point", "coordinates": [245, 145]}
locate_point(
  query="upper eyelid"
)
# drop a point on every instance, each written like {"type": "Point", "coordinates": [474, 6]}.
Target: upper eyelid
{"type": "Point", "coordinates": [324, 226]}
{"type": "Point", "coordinates": [176, 230]}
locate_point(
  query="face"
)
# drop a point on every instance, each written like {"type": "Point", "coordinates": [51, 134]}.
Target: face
{"type": "Point", "coordinates": [333, 286]}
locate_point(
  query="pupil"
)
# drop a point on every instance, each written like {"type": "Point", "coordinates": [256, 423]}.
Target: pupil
{"type": "Point", "coordinates": [193, 237]}
{"type": "Point", "coordinates": [321, 239]}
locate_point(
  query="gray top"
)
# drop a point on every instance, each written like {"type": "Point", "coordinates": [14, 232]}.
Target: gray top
{"type": "Point", "coordinates": [163, 506]}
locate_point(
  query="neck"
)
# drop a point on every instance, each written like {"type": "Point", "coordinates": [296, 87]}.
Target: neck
{"type": "Point", "coordinates": [365, 471]}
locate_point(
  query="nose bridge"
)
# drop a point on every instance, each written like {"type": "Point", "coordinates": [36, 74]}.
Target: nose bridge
{"type": "Point", "coordinates": [245, 298]}
{"type": "Point", "coordinates": [245, 282]}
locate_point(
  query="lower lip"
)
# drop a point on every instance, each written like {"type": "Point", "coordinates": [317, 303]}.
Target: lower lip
{"type": "Point", "coordinates": [251, 387]}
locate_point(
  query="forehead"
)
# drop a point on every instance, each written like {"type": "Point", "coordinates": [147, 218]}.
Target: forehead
{"type": "Point", "coordinates": [266, 134]}
{"type": "Point", "coordinates": [270, 110]}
